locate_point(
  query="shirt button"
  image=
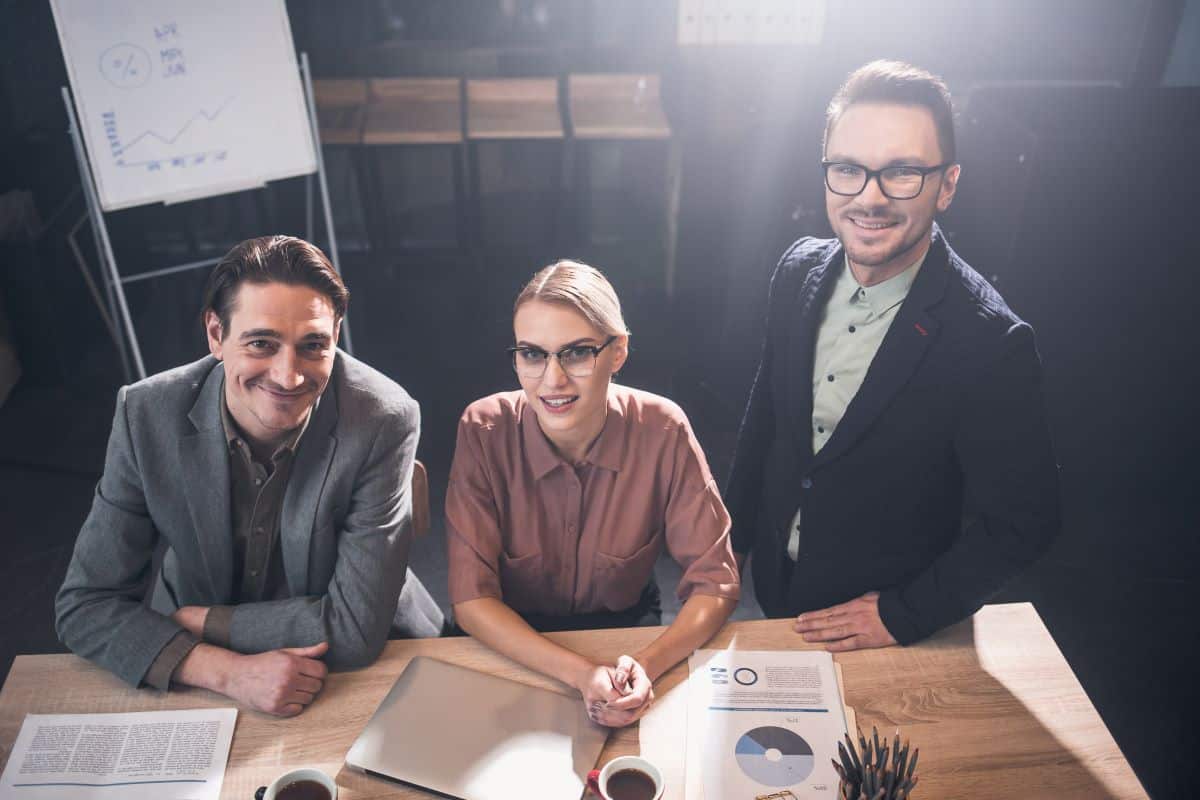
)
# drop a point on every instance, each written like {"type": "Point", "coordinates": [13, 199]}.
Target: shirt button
{"type": "Point", "coordinates": [258, 481]}
{"type": "Point", "coordinates": [829, 378]}
{"type": "Point", "coordinates": [806, 483]}
{"type": "Point", "coordinates": [253, 573]}
{"type": "Point", "coordinates": [259, 531]}
{"type": "Point", "coordinates": [852, 329]}
{"type": "Point", "coordinates": [820, 429]}
{"type": "Point", "coordinates": [570, 529]}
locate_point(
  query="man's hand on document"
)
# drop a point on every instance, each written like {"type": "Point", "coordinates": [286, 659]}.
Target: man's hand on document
{"type": "Point", "coordinates": [854, 625]}
{"type": "Point", "coordinates": [617, 696]}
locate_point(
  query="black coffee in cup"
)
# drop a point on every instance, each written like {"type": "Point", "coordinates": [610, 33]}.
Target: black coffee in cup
{"type": "Point", "coordinates": [307, 790]}
{"type": "Point", "coordinates": [630, 784]}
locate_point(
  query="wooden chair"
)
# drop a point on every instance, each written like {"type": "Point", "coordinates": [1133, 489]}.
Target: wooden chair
{"type": "Point", "coordinates": [415, 112]}
{"type": "Point", "coordinates": [513, 109]}
{"type": "Point", "coordinates": [341, 115]}
{"type": "Point", "coordinates": [623, 107]}
{"type": "Point", "coordinates": [420, 500]}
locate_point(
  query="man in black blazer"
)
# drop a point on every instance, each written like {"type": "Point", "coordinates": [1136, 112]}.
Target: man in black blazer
{"type": "Point", "coordinates": [894, 467]}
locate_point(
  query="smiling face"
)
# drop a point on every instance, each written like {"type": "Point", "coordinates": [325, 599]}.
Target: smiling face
{"type": "Point", "coordinates": [883, 236]}
{"type": "Point", "coordinates": [278, 355]}
{"type": "Point", "coordinates": [570, 411]}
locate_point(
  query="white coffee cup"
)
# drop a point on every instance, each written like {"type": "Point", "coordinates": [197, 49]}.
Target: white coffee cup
{"type": "Point", "coordinates": [305, 774]}
{"type": "Point", "coordinates": [598, 778]}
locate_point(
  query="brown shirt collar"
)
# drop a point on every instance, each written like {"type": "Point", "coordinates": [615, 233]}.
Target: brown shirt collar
{"type": "Point", "coordinates": [233, 433]}
{"type": "Point", "coordinates": [607, 451]}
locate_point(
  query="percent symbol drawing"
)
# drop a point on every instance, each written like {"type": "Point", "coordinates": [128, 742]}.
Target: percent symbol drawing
{"type": "Point", "coordinates": [125, 66]}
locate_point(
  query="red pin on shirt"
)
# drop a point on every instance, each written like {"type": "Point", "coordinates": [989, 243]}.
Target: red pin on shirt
{"type": "Point", "coordinates": [920, 330]}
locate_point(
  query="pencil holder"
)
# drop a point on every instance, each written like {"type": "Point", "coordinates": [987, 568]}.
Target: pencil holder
{"type": "Point", "coordinates": [883, 771]}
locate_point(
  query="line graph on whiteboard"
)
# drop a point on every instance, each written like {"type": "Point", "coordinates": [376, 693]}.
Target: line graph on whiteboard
{"type": "Point", "coordinates": [158, 148]}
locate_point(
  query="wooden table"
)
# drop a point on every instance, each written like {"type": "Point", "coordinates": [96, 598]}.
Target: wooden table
{"type": "Point", "coordinates": [991, 702]}
{"type": "Point", "coordinates": [413, 111]}
{"type": "Point", "coordinates": [341, 109]}
{"type": "Point", "coordinates": [618, 106]}
{"type": "Point", "coordinates": [513, 108]}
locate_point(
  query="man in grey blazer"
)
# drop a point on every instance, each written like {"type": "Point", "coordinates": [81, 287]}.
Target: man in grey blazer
{"type": "Point", "coordinates": [275, 476]}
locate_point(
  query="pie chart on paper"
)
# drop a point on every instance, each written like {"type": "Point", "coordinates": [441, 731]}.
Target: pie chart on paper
{"type": "Point", "coordinates": [774, 756]}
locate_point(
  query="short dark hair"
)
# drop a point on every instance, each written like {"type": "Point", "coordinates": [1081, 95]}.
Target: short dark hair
{"type": "Point", "coordinates": [272, 259]}
{"type": "Point", "coordinates": [901, 84]}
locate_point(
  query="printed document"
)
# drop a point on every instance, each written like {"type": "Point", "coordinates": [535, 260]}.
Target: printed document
{"type": "Point", "coordinates": [761, 722]}
{"type": "Point", "coordinates": [165, 755]}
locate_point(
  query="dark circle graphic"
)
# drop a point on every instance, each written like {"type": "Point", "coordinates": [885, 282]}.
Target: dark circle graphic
{"type": "Point", "coordinates": [745, 676]}
{"type": "Point", "coordinates": [125, 66]}
{"type": "Point", "coordinates": [774, 756]}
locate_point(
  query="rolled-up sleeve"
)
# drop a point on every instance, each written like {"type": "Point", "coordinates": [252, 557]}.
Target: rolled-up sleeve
{"type": "Point", "coordinates": [168, 660]}
{"type": "Point", "coordinates": [472, 524]}
{"type": "Point", "coordinates": [697, 524]}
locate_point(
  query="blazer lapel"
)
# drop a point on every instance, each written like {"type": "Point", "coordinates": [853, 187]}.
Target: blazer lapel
{"type": "Point", "coordinates": [305, 486]}
{"type": "Point", "coordinates": [811, 298]}
{"type": "Point", "coordinates": [912, 332]}
{"type": "Point", "coordinates": [204, 460]}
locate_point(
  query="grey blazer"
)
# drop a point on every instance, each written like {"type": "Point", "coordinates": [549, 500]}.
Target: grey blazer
{"type": "Point", "coordinates": [345, 526]}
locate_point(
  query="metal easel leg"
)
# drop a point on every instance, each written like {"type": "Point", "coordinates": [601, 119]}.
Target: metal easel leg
{"type": "Point", "coordinates": [109, 294]}
{"type": "Point", "coordinates": [105, 312]}
{"type": "Point", "coordinates": [306, 78]}
{"type": "Point", "coordinates": [308, 207]}
{"type": "Point", "coordinates": [106, 251]}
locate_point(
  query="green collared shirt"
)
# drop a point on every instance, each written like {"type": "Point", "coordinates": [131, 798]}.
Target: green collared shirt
{"type": "Point", "coordinates": [852, 327]}
{"type": "Point", "coordinates": [853, 324]}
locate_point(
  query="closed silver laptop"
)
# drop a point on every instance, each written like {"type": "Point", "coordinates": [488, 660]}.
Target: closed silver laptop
{"type": "Point", "coordinates": [475, 736]}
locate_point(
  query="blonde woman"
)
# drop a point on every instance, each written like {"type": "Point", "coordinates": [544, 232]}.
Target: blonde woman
{"type": "Point", "coordinates": [563, 494]}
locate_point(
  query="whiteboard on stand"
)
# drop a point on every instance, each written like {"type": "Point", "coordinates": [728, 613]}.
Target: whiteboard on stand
{"type": "Point", "coordinates": [182, 100]}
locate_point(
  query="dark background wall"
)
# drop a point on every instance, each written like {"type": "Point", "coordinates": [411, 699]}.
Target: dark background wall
{"type": "Point", "coordinates": [1078, 201]}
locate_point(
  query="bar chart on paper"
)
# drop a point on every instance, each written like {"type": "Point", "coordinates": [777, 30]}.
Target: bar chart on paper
{"type": "Point", "coordinates": [179, 100]}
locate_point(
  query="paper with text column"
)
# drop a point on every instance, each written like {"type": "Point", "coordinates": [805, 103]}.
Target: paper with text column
{"type": "Point", "coordinates": [164, 755]}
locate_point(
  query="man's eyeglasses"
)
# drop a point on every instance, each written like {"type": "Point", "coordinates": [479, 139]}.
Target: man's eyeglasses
{"type": "Point", "coordinates": [898, 183]}
{"type": "Point", "coordinates": [578, 360]}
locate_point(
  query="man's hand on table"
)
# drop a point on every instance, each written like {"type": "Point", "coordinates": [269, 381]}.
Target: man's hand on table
{"type": "Point", "coordinates": [854, 625]}
{"type": "Point", "coordinates": [616, 696]}
{"type": "Point", "coordinates": [280, 682]}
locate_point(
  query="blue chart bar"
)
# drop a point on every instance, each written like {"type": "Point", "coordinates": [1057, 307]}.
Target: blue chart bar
{"type": "Point", "coordinates": [119, 783]}
{"type": "Point", "coordinates": [773, 710]}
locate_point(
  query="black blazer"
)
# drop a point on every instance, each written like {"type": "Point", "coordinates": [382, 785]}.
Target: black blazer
{"type": "Point", "coordinates": [939, 483]}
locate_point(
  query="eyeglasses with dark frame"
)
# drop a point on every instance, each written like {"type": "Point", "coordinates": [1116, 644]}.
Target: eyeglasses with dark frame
{"type": "Point", "coordinates": [903, 182]}
{"type": "Point", "coordinates": [577, 360]}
